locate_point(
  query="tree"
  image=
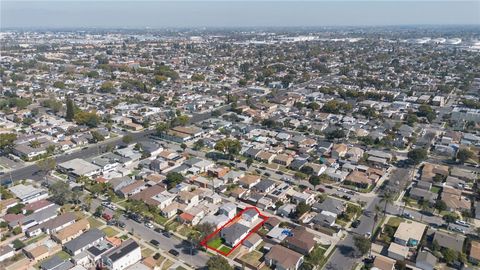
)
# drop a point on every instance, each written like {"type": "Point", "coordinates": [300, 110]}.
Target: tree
{"type": "Point", "coordinates": [313, 106]}
{"type": "Point", "coordinates": [60, 193]}
{"type": "Point", "coordinates": [450, 217]}
{"type": "Point", "coordinates": [106, 86]}
{"type": "Point", "coordinates": [464, 155]}
{"type": "Point", "coordinates": [387, 198]}
{"type": "Point", "coordinates": [217, 262]}
{"type": "Point", "coordinates": [127, 139]}
{"type": "Point", "coordinates": [199, 144]}
{"type": "Point", "coordinates": [301, 209]}
{"type": "Point", "coordinates": [46, 165]}
{"type": "Point", "coordinates": [181, 120]}
{"type": "Point", "coordinates": [417, 155]}
{"type": "Point", "coordinates": [70, 114]}
{"type": "Point", "coordinates": [424, 205]}
{"type": "Point", "coordinates": [249, 162]}
{"type": "Point", "coordinates": [90, 119]}
{"type": "Point", "coordinates": [229, 146]}
{"type": "Point", "coordinates": [161, 128]}
{"type": "Point", "coordinates": [174, 178]}
{"type": "Point", "coordinates": [183, 146]}
{"type": "Point", "coordinates": [440, 205]}
{"type": "Point", "coordinates": [315, 181]}
{"type": "Point", "coordinates": [7, 140]}
{"type": "Point", "coordinates": [362, 244]}
{"type": "Point", "coordinates": [406, 202]}
{"type": "Point", "coordinates": [449, 255]}
{"type": "Point", "coordinates": [427, 112]}
{"type": "Point", "coordinates": [96, 136]}
{"type": "Point", "coordinates": [98, 211]}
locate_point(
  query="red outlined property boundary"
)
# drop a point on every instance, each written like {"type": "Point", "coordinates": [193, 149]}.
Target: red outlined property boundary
{"type": "Point", "coordinates": [253, 230]}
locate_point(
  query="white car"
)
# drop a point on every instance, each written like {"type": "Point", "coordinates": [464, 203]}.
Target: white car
{"type": "Point", "coordinates": [149, 225]}
{"type": "Point", "coordinates": [462, 223]}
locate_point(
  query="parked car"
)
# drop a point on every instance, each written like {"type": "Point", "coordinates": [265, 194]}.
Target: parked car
{"type": "Point", "coordinates": [267, 174]}
{"type": "Point", "coordinates": [462, 223]}
{"type": "Point", "coordinates": [408, 215]}
{"type": "Point", "coordinates": [174, 252]}
{"type": "Point", "coordinates": [356, 223]}
{"type": "Point", "coordinates": [121, 224]}
{"type": "Point", "coordinates": [154, 242]}
{"type": "Point", "coordinates": [158, 230]}
{"type": "Point", "coordinates": [279, 172]}
{"type": "Point", "coordinates": [167, 234]}
{"type": "Point", "coordinates": [346, 197]}
{"type": "Point", "coordinates": [149, 225]}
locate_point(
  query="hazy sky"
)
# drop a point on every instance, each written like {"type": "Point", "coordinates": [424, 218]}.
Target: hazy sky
{"type": "Point", "coordinates": [229, 13]}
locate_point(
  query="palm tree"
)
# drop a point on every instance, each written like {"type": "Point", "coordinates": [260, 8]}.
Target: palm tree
{"type": "Point", "coordinates": [406, 202]}
{"type": "Point", "coordinates": [387, 198]}
{"type": "Point", "coordinates": [423, 206]}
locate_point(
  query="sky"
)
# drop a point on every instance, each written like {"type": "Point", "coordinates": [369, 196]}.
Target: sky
{"type": "Point", "coordinates": [230, 13]}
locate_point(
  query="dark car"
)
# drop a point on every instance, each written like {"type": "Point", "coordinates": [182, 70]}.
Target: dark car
{"type": "Point", "coordinates": [167, 234]}
{"type": "Point", "coordinates": [321, 189]}
{"type": "Point", "coordinates": [279, 172]}
{"type": "Point", "coordinates": [345, 197]}
{"type": "Point", "coordinates": [243, 168]}
{"type": "Point", "coordinates": [263, 168]}
{"type": "Point", "coordinates": [174, 252]}
{"type": "Point", "coordinates": [158, 230]}
{"type": "Point", "coordinates": [121, 224]}
{"type": "Point", "coordinates": [356, 223]}
{"type": "Point", "coordinates": [267, 174]}
{"type": "Point", "coordinates": [154, 242]}
{"type": "Point", "coordinates": [329, 187]}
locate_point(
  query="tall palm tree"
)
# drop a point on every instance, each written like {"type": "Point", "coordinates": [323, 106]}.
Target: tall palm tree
{"type": "Point", "coordinates": [424, 205]}
{"type": "Point", "coordinates": [388, 198]}
{"type": "Point", "coordinates": [406, 202]}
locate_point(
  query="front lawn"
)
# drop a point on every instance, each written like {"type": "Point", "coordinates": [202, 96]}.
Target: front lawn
{"type": "Point", "coordinates": [63, 255]}
{"type": "Point", "coordinates": [109, 231]}
{"type": "Point", "coordinates": [225, 249]}
{"type": "Point", "coordinates": [435, 189]}
{"type": "Point", "coordinates": [395, 221]}
{"type": "Point", "coordinates": [215, 243]}
{"type": "Point", "coordinates": [94, 223]}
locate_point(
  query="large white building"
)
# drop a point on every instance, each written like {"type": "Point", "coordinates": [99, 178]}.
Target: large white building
{"type": "Point", "coordinates": [465, 114]}
{"type": "Point", "coordinates": [121, 257]}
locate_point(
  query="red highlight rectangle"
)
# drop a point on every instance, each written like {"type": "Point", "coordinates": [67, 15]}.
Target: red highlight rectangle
{"type": "Point", "coordinates": [253, 230]}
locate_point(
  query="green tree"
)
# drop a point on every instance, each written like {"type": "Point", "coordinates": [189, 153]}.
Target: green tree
{"type": "Point", "coordinates": [199, 144]}
{"type": "Point", "coordinates": [183, 146]}
{"type": "Point", "coordinates": [249, 162]}
{"type": "Point", "coordinates": [7, 140]}
{"type": "Point", "coordinates": [90, 119]}
{"type": "Point", "coordinates": [301, 209]}
{"type": "Point", "coordinates": [96, 136]}
{"type": "Point", "coordinates": [174, 178]}
{"type": "Point", "coordinates": [127, 139]}
{"type": "Point", "coordinates": [218, 262]}
{"type": "Point", "coordinates": [70, 114]}
{"type": "Point", "coordinates": [449, 255]}
{"type": "Point", "coordinates": [161, 128]}
{"type": "Point", "coordinates": [60, 192]}
{"type": "Point", "coordinates": [386, 198]}
{"type": "Point", "coordinates": [417, 155]}
{"type": "Point", "coordinates": [98, 211]}
{"type": "Point", "coordinates": [362, 244]}
{"type": "Point", "coordinates": [464, 154]}
{"type": "Point", "coordinates": [315, 181]}
{"type": "Point", "coordinates": [107, 86]}
{"type": "Point", "coordinates": [46, 165]}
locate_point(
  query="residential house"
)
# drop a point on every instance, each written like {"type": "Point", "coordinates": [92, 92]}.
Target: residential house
{"type": "Point", "coordinates": [282, 258]}
{"type": "Point", "coordinates": [425, 260]}
{"type": "Point", "coordinates": [234, 233]}
{"type": "Point", "coordinates": [123, 256]}
{"type": "Point", "coordinates": [84, 241]}
{"type": "Point", "coordinates": [301, 240]}
{"type": "Point", "coordinates": [71, 232]}
{"type": "Point", "coordinates": [452, 241]}
{"type": "Point", "coordinates": [409, 233]}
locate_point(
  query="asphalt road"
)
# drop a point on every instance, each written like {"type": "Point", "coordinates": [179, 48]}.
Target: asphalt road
{"type": "Point", "coordinates": [198, 259]}
{"type": "Point", "coordinates": [32, 171]}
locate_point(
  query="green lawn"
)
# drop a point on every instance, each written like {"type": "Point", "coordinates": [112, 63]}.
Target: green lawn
{"type": "Point", "coordinates": [394, 221]}
{"type": "Point", "coordinates": [35, 239]}
{"type": "Point", "coordinates": [94, 223]}
{"type": "Point", "coordinates": [109, 231]}
{"type": "Point", "coordinates": [225, 249]}
{"type": "Point", "coordinates": [435, 189]}
{"type": "Point", "coordinates": [215, 243]}
{"type": "Point", "coordinates": [63, 255]}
